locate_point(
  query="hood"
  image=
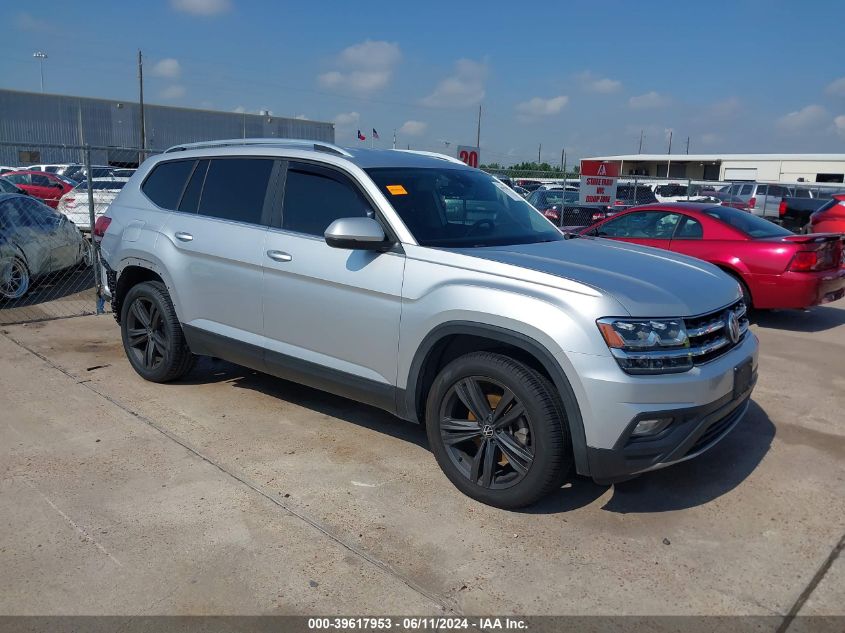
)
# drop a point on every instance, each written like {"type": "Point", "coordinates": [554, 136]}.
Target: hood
{"type": "Point", "coordinates": [646, 281]}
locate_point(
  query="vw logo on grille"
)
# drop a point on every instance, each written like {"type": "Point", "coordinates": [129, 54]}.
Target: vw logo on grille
{"type": "Point", "coordinates": [487, 431]}
{"type": "Point", "coordinates": [732, 326]}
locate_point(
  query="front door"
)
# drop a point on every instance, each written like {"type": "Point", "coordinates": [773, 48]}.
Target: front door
{"type": "Point", "coordinates": [331, 315]}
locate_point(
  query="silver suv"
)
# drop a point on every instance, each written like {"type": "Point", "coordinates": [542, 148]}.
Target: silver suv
{"type": "Point", "coordinates": [431, 290]}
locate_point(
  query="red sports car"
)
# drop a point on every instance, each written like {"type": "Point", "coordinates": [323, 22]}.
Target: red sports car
{"type": "Point", "coordinates": [831, 217]}
{"type": "Point", "coordinates": [41, 184]}
{"type": "Point", "coordinates": [775, 267]}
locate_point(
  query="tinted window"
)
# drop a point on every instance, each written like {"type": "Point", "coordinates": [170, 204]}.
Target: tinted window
{"type": "Point", "coordinates": [314, 199]}
{"type": "Point", "coordinates": [746, 190]}
{"type": "Point", "coordinates": [461, 208]}
{"type": "Point", "coordinates": [235, 189]}
{"type": "Point", "coordinates": [690, 229]}
{"type": "Point", "coordinates": [762, 190]}
{"type": "Point", "coordinates": [642, 225]}
{"type": "Point", "coordinates": [41, 181]}
{"type": "Point", "coordinates": [7, 187]}
{"type": "Point", "coordinates": [165, 184]}
{"type": "Point", "coordinates": [643, 193]}
{"type": "Point", "coordinates": [19, 179]}
{"type": "Point", "coordinates": [191, 197]}
{"type": "Point", "coordinates": [748, 223]}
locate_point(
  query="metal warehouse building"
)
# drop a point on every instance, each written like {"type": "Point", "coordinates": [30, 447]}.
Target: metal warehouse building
{"type": "Point", "coordinates": [764, 167]}
{"type": "Point", "coordinates": [28, 119]}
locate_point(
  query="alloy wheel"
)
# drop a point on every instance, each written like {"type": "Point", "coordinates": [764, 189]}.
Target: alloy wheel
{"type": "Point", "coordinates": [146, 334]}
{"type": "Point", "coordinates": [486, 432]}
{"type": "Point", "coordinates": [16, 282]}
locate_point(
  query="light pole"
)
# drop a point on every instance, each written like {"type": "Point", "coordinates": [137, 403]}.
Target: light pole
{"type": "Point", "coordinates": [41, 56]}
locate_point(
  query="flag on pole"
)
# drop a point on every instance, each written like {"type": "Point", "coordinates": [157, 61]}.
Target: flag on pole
{"type": "Point", "coordinates": [375, 134]}
{"type": "Point", "coordinates": [361, 137]}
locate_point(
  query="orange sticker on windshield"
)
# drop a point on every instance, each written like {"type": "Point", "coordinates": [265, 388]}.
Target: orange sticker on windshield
{"type": "Point", "coordinates": [397, 190]}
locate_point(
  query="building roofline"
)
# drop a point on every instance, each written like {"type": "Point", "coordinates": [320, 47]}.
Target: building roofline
{"type": "Point", "coordinates": [720, 157]}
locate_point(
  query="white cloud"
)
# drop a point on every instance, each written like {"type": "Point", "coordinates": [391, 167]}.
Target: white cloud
{"type": "Point", "coordinates": [28, 22]}
{"type": "Point", "coordinates": [537, 107]}
{"type": "Point", "coordinates": [347, 119]}
{"type": "Point", "coordinates": [807, 118]}
{"type": "Point", "coordinates": [648, 100]}
{"type": "Point", "coordinates": [601, 85]}
{"type": "Point", "coordinates": [173, 92]}
{"type": "Point", "coordinates": [836, 87]}
{"type": "Point", "coordinates": [413, 128]}
{"type": "Point", "coordinates": [729, 107]}
{"type": "Point", "coordinates": [168, 68]}
{"type": "Point", "coordinates": [363, 68]}
{"type": "Point", "coordinates": [464, 87]}
{"type": "Point", "coordinates": [839, 122]}
{"type": "Point", "coordinates": [201, 7]}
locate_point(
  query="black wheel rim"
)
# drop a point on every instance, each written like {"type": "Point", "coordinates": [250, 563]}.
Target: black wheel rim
{"type": "Point", "coordinates": [145, 333]}
{"type": "Point", "coordinates": [486, 432]}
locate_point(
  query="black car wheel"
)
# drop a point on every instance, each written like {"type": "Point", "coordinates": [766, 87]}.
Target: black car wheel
{"type": "Point", "coordinates": [152, 336]}
{"type": "Point", "coordinates": [16, 281]}
{"type": "Point", "coordinates": [497, 430]}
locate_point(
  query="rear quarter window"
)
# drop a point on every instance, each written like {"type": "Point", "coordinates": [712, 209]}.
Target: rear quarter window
{"type": "Point", "coordinates": [166, 181]}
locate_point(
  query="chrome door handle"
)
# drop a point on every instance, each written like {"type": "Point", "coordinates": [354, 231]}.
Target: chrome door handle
{"type": "Point", "coordinates": [184, 237]}
{"type": "Point", "coordinates": [279, 256]}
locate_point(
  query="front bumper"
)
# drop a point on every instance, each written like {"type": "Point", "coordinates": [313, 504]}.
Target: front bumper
{"type": "Point", "coordinates": [703, 404]}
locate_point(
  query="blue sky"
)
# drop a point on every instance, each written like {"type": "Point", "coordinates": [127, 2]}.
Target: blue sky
{"type": "Point", "coordinates": [742, 76]}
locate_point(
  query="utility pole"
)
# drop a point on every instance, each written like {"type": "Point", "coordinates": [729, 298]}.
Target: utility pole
{"type": "Point", "coordinates": [142, 122]}
{"type": "Point", "coordinates": [640, 151]}
{"type": "Point", "coordinates": [41, 56]}
{"type": "Point", "coordinates": [669, 162]}
{"type": "Point", "coordinates": [688, 145]}
{"type": "Point", "coordinates": [394, 138]}
{"type": "Point", "coordinates": [539, 149]}
{"type": "Point", "coordinates": [478, 132]}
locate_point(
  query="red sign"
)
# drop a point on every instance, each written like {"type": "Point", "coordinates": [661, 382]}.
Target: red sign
{"type": "Point", "coordinates": [468, 155]}
{"type": "Point", "coordinates": [598, 181]}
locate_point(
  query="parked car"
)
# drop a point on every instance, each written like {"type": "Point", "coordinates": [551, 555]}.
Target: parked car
{"type": "Point", "coordinates": [35, 241]}
{"type": "Point", "coordinates": [5, 170]}
{"type": "Point", "coordinates": [74, 204]}
{"type": "Point", "coordinates": [775, 267]}
{"type": "Point", "coordinates": [795, 211]}
{"type": "Point", "coordinates": [528, 184]}
{"type": "Point", "coordinates": [523, 352]}
{"type": "Point", "coordinates": [563, 209]}
{"type": "Point", "coordinates": [727, 199]}
{"type": "Point", "coordinates": [52, 168]}
{"type": "Point", "coordinates": [680, 191]}
{"type": "Point", "coordinates": [41, 184]}
{"type": "Point", "coordinates": [631, 195]}
{"type": "Point", "coordinates": [80, 172]}
{"type": "Point", "coordinates": [763, 199]}
{"type": "Point", "coordinates": [521, 191]}
{"type": "Point", "coordinates": [831, 217]}
{"type": "Point", "coordinates": [7, 186]}
{"type": "Point", "coordinates": [126, 172]}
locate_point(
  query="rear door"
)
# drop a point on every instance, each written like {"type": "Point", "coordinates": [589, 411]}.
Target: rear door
{"type": "Point", "coordinates": [330, 310]}
{"type": "Point", "coordinates": [213, 245]}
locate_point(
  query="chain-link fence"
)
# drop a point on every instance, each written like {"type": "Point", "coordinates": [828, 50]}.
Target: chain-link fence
{"type": "Point", "coordinates": [50, 199]}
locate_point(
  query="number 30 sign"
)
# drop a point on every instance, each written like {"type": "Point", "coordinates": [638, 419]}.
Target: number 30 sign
{"type": "Point", "coordinates": [468, 155]}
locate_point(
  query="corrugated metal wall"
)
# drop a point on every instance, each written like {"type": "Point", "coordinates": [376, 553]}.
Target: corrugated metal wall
{"type": "Point", "coordinates": [65, 120]}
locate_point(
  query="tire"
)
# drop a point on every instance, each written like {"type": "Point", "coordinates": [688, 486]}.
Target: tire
{"type": "Point", "coordinates": [509, 466]}
{"type": "Point", "coordinates": [18, 282]}
{"type": "Point", "coordinates": [152, 335]}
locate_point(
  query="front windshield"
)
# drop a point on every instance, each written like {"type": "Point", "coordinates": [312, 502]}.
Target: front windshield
{"type": "Point", "coordinates": [461, 208]}
{"type": "Point", "coordinates": [748, 223]}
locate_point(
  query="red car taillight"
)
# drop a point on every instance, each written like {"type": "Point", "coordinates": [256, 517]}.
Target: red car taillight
{"type": "Point", "coordinates": [782, 208]}
{"type": "Point", "coordinates": [804, 261]}
{"type": "Point", "coordinates": [551, 213]}
{"type": "Point", "coordinates": [100, 227]}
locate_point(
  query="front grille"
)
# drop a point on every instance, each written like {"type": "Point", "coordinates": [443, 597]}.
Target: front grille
{"type": "Point", "coordinates": [708, 334]}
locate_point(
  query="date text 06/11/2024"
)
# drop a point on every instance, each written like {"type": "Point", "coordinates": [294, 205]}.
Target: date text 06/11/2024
{"type": "Point", "coordinates": [416, 623]}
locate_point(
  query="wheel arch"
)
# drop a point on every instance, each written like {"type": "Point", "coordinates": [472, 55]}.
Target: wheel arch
{"type": "Point", "coordinates": [737, 274]}
{"type": "Point", "coordinates": [133, 272]}
{"type": "Point", "coordinates": [452, 339]}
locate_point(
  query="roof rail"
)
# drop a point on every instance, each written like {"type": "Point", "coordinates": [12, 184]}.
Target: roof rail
{"type": "Point", "coordinates": [445, 157]}
{"type": "Point", "coordinates": [317, 146]}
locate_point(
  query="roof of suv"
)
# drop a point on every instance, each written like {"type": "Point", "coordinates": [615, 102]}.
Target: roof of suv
{"type": "Point", "coordinates": [363, 158]}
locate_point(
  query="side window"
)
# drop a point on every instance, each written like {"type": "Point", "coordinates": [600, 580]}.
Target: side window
{"type": "Point", "coordinates": [315, 198]}
{"type": "Point", "coordinates": [235, 189]}
{"type": "Point", "coordinates": [690, 229]}
{"type": "Point", "coordinates": [165, 183]}
{"type": "Point", "coordinates": [18, 179]}
{"type": "Point", "coordinates": [41, 181]}
{"type": "Point", "coordinates": [746, 190]}
{"type": "Point", "coordinates": [645, 225]}
{"type": "Point", "coordinates": [191, 197]}
{"type": "Point", "coordinates": [617, 227]}
{"type": "Point", "coordinates": [763, 190]}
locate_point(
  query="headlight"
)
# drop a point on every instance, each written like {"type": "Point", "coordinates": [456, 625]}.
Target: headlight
{"type": "Point", "coordinates": [648, 346]}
